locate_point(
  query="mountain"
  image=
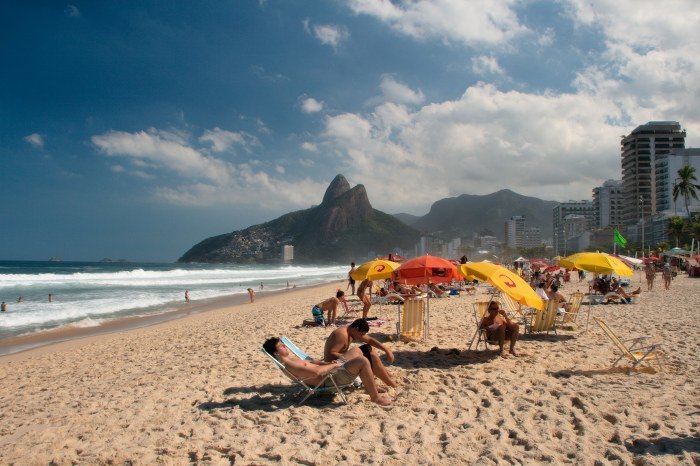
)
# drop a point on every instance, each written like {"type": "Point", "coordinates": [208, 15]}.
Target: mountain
{"type": "Point", "coordinates": [466, 214]}
{"type": "Point", "coordinates": [408, 219]}
{"type": "Point", "coordinates": [344, 226]}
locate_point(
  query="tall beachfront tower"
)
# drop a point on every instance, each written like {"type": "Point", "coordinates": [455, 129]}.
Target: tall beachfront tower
{"type": "Point", "coordinates": [640, 151]}
{"type": "Point", "coordinates": [515, 231]}
{"type": "Point", "coordinates": [607, 204]}
{"type": "Point", "coordinates": [568, 218]}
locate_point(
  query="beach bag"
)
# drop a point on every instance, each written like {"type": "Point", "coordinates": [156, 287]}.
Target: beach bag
{"type": "Point", "coordinates": [454, 293]}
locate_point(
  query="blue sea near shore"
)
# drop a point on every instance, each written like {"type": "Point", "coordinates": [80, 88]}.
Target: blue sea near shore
{"type": "Point", "coordinates": [87, 294]}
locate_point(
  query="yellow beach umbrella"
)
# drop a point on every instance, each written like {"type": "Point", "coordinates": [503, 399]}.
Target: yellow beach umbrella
{"type": "Point", "coordinates": [375, 270]}
{"type": "Point", "coordinates": [505, 280]}
{"type": "Point", "coordinates": [597, 262]}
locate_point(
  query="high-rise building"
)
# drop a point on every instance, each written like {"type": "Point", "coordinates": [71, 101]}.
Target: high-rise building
{"type": "Point", "coordinates": [607, 204]}
{"type": "Point", "coordinates": [565, 209]}
{"type": "Point", "coordinates": [667, 177]}
{"type": "Point", "coordinates": [515, 231]}
{"type": "Point", "coordinates": [532, 238]}
{"type": "Point", "coordinates": [287, 253]}
{"type": "Point", "coordinates": [640, 151]}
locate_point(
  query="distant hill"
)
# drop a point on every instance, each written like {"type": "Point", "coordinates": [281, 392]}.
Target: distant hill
{"type": "Point", "coordinates": [408, 219]}
{"type": "Point", "coordinates": [466, 214]}
{"type": "Point", "coordinates": [343, 227]}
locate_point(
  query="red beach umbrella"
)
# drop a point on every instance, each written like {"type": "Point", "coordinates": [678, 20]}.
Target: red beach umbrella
{"type": "Point", "coordinates": [426, 269]}
{"type": "Point", "coordinates": [551, 268]}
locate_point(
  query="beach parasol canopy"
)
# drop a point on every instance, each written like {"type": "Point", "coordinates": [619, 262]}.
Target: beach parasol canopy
{"type": "Point", "coordinates": [539, 263]}
{"type": "Point", "coordinates": [505, 280]}
{"type": "Point", "coordinates": [597, 262]}
{"type": "Point", "coordinates": [551, 268]}
{"type": "Point", "coordinates": [651, 258]}
{"type": "Point", "coordinates": [426, 269]}
{"type": "Point", "coordinates": [374, 270]}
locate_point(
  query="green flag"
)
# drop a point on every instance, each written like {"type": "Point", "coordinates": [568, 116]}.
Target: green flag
{"type": "Point", "coordinates": [618, 239]}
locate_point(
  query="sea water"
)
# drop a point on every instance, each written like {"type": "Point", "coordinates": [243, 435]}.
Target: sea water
{"type": "Point", "coordinates": [86, 294]}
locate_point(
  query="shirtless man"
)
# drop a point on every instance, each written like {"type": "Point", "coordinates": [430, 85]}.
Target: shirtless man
{"type": "Point", "coordinates": [312, 372]}
{"type": "Point", "coordinates": [363, 294]}
{"type": "Point", "coordinates": [650, 272]}
{"type": "Point", "coordinates": [338, 347]}
{"type": "Point", "coordinates": [331, 306]}
{"type": "Point", "coordinates": [500, 328]}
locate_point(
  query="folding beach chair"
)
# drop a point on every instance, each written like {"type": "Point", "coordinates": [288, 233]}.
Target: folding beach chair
{"type": "Point", "coordinates": [412, 319]}
{"type": "Point", "coordinates": [308, 390]}
{"type": "Point", "coordinates": [512, 308]}
{"type": "Point", "coordinates": [480, 335]}
{"type": "Point", "coordinates": [569, 316]}
{"type": "Point", "coordinates": [635, 352]}
{"type": "Point", "coordinates": [543, 320]}
{"type": "Point", "coordinates": [295, 349]}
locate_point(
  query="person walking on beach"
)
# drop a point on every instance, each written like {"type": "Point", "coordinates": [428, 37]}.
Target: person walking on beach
{"type": "Point", "coordinates": [187, 296]}
{"type": "Point", "coordinates": [50, 298]}
{"type": "Point", "coordinates": [251, 293]}
{"type": "Point", "coordinates": [337, 347]}
{"type": "Point", "coordinates": [363, 293]}
{"type": "Point", "coordinates": [351, 281]}
{"type": "Point", "coordinates": [650, 272]}
{"type": "Point", "coordinates": [3, 307]}
{"type": "Point", "coordinates": [667, 273]}
{"type": "Point", "coordinates": [312, 372]}
{"type": "Point", "coordinates": [261, 285]}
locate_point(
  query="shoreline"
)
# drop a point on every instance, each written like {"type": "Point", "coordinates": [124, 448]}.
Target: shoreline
{"type": "Point", "coordinates": [39, 340]}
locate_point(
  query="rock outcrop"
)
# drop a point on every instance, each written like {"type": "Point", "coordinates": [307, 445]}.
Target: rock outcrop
{"type": "Point", "coordinates": [343, 227]}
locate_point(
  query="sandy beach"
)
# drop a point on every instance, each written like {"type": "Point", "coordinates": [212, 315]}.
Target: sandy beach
{"type": "Point", "coordinates": [198, 390]}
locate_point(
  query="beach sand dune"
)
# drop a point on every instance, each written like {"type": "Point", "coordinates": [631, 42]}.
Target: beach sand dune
{"type": "Point", "coordinates": [198, 390]}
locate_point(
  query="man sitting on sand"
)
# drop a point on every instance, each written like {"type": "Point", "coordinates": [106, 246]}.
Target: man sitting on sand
{"type": "Point", "coordinates": [330, 305]}
{"type": "Point", "coordinates": [312, 372]}
{"type": "Point", "coordinates": [500, 328]}
{"type": "Point", "coordinates": [338, 348]}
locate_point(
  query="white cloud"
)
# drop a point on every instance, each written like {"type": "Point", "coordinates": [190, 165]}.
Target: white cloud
{"type": "Point", "coordinates": [309, 146]}
{"type": "Point", "coordinates": [222, 140]}
{"type": "Point", "coordinates": [397, 92]}
{"type": "Point", "coordinates": [36, 140]}
{"type": "Point", "coordinates": [118, 168]}
{"type": "Point", "coordinates": [483, 65]}
{"type": "Point", "coordinates": [470, 22]}
{"type": "Point", "coordinates": [165, 150]}
{"type": "Point", "coordinates": [203, 178]}
{"type": "Point", "coordinates": [311, 105]}
{"type": "Point", "coordinates": [547, 38]}
{"type": "Point", "coordinates": [72, 11]}
{"type": "Point", "coordinates": [328, 34]}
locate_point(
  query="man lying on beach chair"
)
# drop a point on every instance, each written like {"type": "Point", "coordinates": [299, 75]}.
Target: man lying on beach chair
{"type": "Point", "coordinates": [315, 375]}
{"type": "Point", "coordinates": [338, 348]}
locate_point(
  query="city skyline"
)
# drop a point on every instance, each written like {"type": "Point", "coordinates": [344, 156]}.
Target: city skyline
{"type": "Point", "coordinates": [135, 131]}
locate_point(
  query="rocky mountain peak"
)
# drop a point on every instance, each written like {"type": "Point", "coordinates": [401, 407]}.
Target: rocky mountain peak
{"type": "Point", "coordinates": [337, 188]}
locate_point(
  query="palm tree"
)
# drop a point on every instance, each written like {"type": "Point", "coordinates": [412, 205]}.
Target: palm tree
{"type": "Point", "coordinates": [686, 187]}
{"type": "Point", "coordinates": [675, 227]}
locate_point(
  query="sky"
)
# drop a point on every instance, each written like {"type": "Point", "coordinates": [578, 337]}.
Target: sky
{"type": "Point", "coordinates": [136, 129]}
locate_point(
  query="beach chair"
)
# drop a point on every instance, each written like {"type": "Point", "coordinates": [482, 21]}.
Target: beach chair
{"type": "Point", "coordinates": [480, 335]}
{"type": "Point", "coordinates": [569, 317]}
{"type": "Point", "coordinates": [412, 319]}
{"type": "Point", "coordinates": [308, 390]}
{"type": "Point", "coordinates": [543, 320]}
{"type": "Point", "coordinates": [295, 349]}
{"type": "Point", "coordinates": [632, 348]}
{"type": "Point", "coordinates": [512, 308]}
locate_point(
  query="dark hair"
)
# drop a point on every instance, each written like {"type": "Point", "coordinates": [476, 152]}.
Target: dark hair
{"type": "Point", "coordinates": [554, 288]}
{"type": "Point", "coordinates": [361, 325]}
{"type": "Point", "coordinates": [352, 264]}
{"type": "Point", "coordinates": [339, 294]}
{"type": "Point", "coordinates": [270, 346]}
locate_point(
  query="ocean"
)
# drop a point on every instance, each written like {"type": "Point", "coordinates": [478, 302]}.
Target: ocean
{"type": "Point", "coordinates": [87, 294]}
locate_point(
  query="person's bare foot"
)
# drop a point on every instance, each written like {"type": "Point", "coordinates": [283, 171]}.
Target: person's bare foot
{"type": "Point", "coordinates": [381, 401]}
{"type": "Point", "coordinates": [513, 353]}
{"type": "Point", "coordinates": [382, 389]}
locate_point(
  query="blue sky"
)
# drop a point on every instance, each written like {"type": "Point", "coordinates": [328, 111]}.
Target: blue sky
{"type": "Point", "coordinates": [135, 129]}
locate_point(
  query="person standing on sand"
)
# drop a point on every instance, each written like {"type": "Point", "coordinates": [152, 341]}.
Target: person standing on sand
{"type": "Point", "coordinates": [667, 273]}
{"type": "Point", "coordinates": [251, 293]}
{"type": "Point", "coordinates": [363, 293]}
{"type": "Point", "coordinates": [650, 272]}
{"type": "Point", "coordinates": [187, 296]}
{"type": "Point", "coordinates": [261, 285]}
{"type": "Point", "coordinates": [351, 281]}
{"type": "Point", "coordinates": [50, 298]}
